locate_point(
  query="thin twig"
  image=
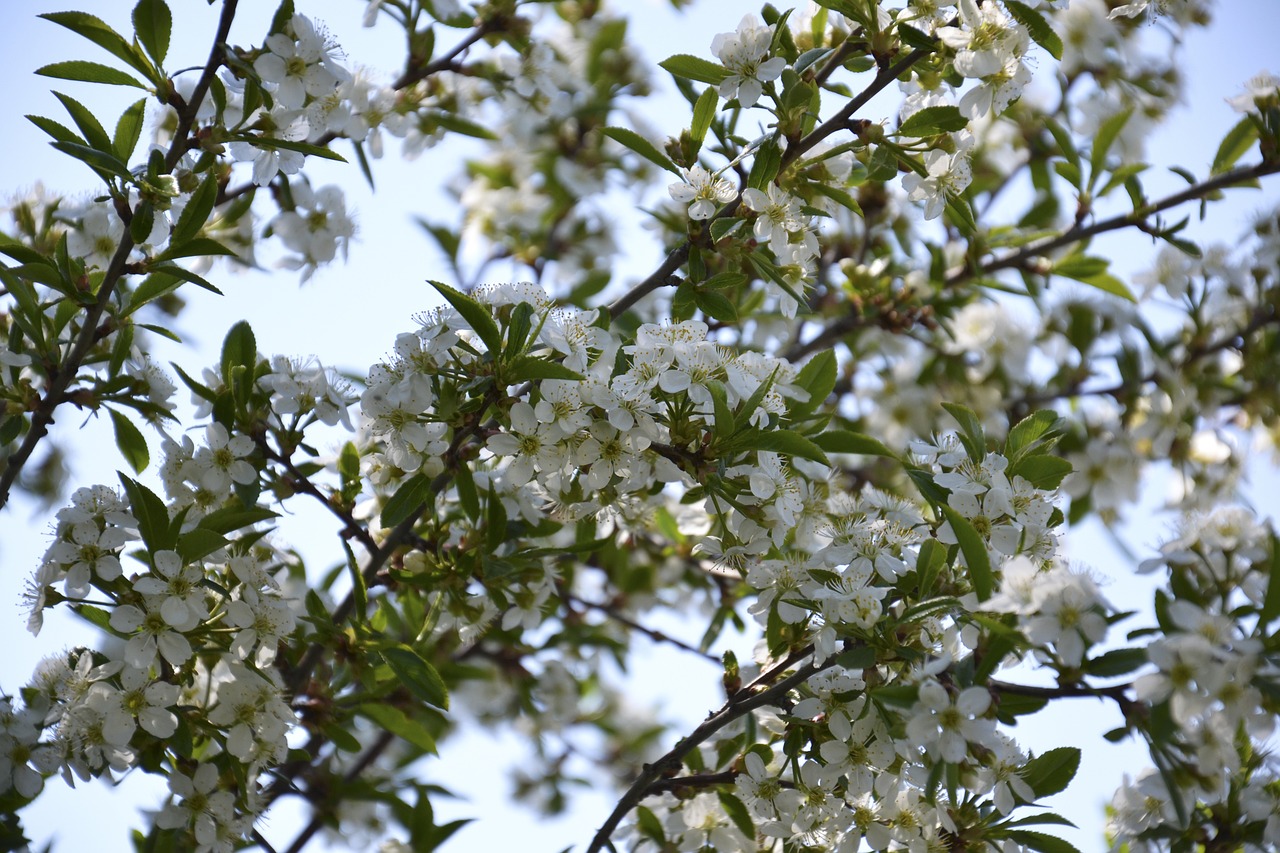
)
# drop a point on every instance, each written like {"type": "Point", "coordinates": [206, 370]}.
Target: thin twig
{"type": "Point", "coordinates": [834, 330]}
{"type": "Point", "coordinates": [363, 763]}
{"type": "Point", "coordinates": [1079, 233]}
{"type": "Point", "coordinates": [657, 636]}
{"type": "Point", "coordinates": [739, 705]}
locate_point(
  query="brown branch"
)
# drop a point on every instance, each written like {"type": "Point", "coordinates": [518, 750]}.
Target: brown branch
{"type": "Point", "coordinates": [698, 780]}
{"type": "Point", "coordinates": [739, 704]}
{"type": "Point", "coordinates": [447, 62]}
{"type": "Point", "coordinates": [64, 374]}
{"type": "Point", "coordinates": [1138, 217]}
{"type": "Point", "coordinates": [834, 330]}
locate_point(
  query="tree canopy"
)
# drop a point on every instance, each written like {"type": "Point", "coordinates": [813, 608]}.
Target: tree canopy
{"type": "Point", "coordinates": [828, 447]}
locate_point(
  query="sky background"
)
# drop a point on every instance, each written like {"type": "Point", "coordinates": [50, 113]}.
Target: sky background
{"type": "Point", "coordinates": [349, 314]}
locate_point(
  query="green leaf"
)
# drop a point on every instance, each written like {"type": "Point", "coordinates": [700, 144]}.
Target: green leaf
{"type": "Point", "coordinates": [199, 542]}
{"type": "Point", "coordinates": [495, 528]}
{"type": "Point", "coordinates": [695, 68]}
{"type": "Point", "coordinates": [737, 813]}
{"type": "Point", "coordinates": [393, 720]}
{"type": "Point", "coordinates": [715, 305]}
{"type": "Point", "coordinates": [342, 739]}
{"type": "Point", "coordinates": [199, 247]}
{"type": "Point", "coordinates": [704, 111]}
{"type": "Point", "coordinates": [725, 424]}
{"type": "Point", "coordinates": [455, 123]}
{"type": "Point", "coordinates": [1102, 143]}
{"type": "Point", "coordinates": [407, 500]}
{"type": "Point", "coordinates": [1080, 267]}
{"type": "Point", "coordinates": [929, 562]}
{"type": "Point", "coordinates": [847, 441]}
{"type": "Point", "coordinates": [100, 161]}
{"type": "Point", "coordinates": [153, 22]}
{"type": "Point", "coordinates": [929, 490]}
{"type": "Point", "coordinates": [1234, 145]}
{"type": "Point", "coordinates": [129, 129]}
{"type": "Point", "coordinates": [1271, 602]}
{"type": "Point", "coordinates": [818, 377]}
{"type": "Point", "coordinates": [1052, 771]}
{"type": "Point", "coordinates": [271, 143]}
{"type": "Point", "coordinates": [1037, 427]}
{"type": "Point", "coordinates": [1042, 470]}
{"type": "Point", "coordinates": [476, 315]}
{"type": "Point", "coordinates": [144, 218]}
{"type": "Point", "coordinates": [1037, 27]}
{"type": "Point", "coordinates": [89, 72]}
{"type": "Point", "coordinates": [1041, 841]}
{"type": "Point", "coordinates": [100, 33]}
{"type": "Point", "coordinates": [640, 145]}
{"type": "Point", "coordinates": [197, 210]}
{"type": "Point", "coordinates": [230, 519]}
{"type": "Point", "coordinates": [975, 553]}
{"type": "Point", "coordinates": [524, 367]}
{"type": "Point", "coordinates": [764, 168]}
{"type": "Point", "coordinates": [152, 516]}
{"type": "Point", "coordinates": [724, 280]}
{"type": "Point", "coordinates": [651, 827]}
{"type": "Point", "coordinates": [94, 134]}
{"type": "Point", "coordinates": [916, 39]}
{"type": "Point", "coordinates": [972, 435]}
{"type": "Point", "coordinates": [418, 675]}
{"type": "Point", "coordinates": [1116, 662]}
{"type": "Point", "coordinates": [782, 441]}
{"type": "Point", "coordinates": [932, 121]}
{"type": "Point", "coordinates": [468, 497]}
{"type": "Point", "coordinates": [184, 274]}
{"type": "Point", "coordinates": [130, 441]}
{"type": "Point", "coordinates": [239, 349]}
{"type": "Point", "coordinates": [1108, 283]}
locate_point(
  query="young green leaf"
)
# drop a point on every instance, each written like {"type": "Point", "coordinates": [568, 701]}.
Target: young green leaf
{"type": "Point", "coordinates": [94, 134]}
{"type": "Point", "coordinates": [197, 210]}
{"type": "Point", "coordinates": [1052, 771]}
{"type": "Point", "coordinates": [394, 720]}
{"type": "Point", "coordinates": [130, 441]}
{"type": "Point", "coordinates": [418, 675]}
{"type": "Point", "coordinates": [704, 111]}
{"type": "Point", "coordinates": [847, 441]}
{"type": "Point", "coordinates": [129, 130]}
{"type": "Point", "coordinates": [407, 500]}
{"type": "Point", "coordinates": [100, 33]}
{"type": "Point", "coordinates": [1037, 27]}
{"type": "Point", "coordinates": [476, 315]}
{"type": "Point", "coordinates": [975, 553]}
{"type": "Point", "coordinates": [932, 121]}
{"type": "Point", "coordinates": [695, 68]}
{"type": "Point", "coordinates": [1235, 145]}
{"type": "Point", "coordinates": [89, 72]}
{"type": "Point", "coordinates": [637, 143]}
{"type": "Point", "coordinates": [153, 22]}
{"type": "Point", "coordinates": [239, 349]}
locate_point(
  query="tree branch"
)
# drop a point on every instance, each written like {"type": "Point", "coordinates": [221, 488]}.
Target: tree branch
{"type": "Point", "coordinates": [838, 327]}
{"type": "Point", "coordinates": [1079, 232]}
{"type": "Point", "coordinates": [64, 374]}
{"type": "Point", "coordinates": [739, 704]}
{"type": "Point", "coordinates": [621, 618]}
{"type": "Point", "coordinates": [363, 763]}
